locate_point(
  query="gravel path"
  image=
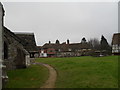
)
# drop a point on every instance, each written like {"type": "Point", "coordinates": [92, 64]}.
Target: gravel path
{"type": "Point", "coordinates": [50, 83]}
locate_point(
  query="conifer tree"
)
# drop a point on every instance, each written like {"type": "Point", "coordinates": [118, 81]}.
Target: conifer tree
{"type": "Point", "coordinates": [83, 40]}
{"type": "Point", "coordinates": [103, 43]}
{"type": "Point", "coordinates": [57, 41]}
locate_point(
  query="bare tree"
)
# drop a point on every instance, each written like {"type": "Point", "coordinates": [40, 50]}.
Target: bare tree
{"type": "Point", "coordinates": [94, 43]}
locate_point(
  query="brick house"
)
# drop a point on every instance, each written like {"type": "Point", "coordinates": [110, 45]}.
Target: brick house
{"type": "Point", "coordinates": [66, 50]}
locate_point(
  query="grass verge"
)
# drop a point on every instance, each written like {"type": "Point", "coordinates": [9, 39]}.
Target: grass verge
{"type": "Point", "coordinates": [85, 72]}
{"type": "Point", "coordinates": [31, 77]}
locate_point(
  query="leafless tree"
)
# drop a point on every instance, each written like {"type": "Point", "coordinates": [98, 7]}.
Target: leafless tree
{"type": "Point", "coordinates": [94, 43]}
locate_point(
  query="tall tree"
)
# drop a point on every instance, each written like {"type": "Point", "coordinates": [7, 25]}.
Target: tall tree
{"type": "Point", "coordinates": [83, 40]}
{"type": "Point", "coordinates": [103, 43]}
{"type": "Point", "coordinates": [105, 46]}
{"type": "Point", "coordinates": [57, 41]}
{"type": "Point", "coordinates": [94, 43]}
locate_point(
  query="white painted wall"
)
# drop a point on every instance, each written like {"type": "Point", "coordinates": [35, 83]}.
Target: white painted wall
{"type": "Point", "coordinates": [42, 54]}
{"type": "Point", "coordinates": [115, 48]}
{"type": "Point", "coordinates": [27, 60]}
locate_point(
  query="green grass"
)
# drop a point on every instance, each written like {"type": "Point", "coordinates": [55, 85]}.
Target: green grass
{"type": "Point", "coordinates": [31, 77]}
{"type": "Point", "coordinates": [85, 72]}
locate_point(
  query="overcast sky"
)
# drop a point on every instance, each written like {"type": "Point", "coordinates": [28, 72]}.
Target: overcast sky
{"type": "Point", "coordinates": [63, 20]}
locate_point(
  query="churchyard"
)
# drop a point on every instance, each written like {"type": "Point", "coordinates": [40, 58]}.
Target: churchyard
{"type": "Point", "coordinates": [72, 72]}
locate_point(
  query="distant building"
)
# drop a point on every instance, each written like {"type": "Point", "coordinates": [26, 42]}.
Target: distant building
{"type": "Point", "coordinates": [65, 50]}
{"type": "Point", "coordinates": [116, 44]}
{"type": "Point", "coordinates": [42, 52]}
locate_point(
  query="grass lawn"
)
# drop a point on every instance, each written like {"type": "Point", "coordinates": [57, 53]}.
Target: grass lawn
{"type": "Point", "coordinates": [31, 77]}
{"type": "Point", "coordinates": [85, 72]}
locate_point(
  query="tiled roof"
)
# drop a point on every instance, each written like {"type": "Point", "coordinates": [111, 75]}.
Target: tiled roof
{"type": "Point", "coordinates": [116, 38]}
{"type": "Point", "coordinates": [7, 31]}
{"type": "Point", "coordinates": [26, 39]}
{"type": "Point", "coordinates": [29, 41]}
{"type": "Point", "coordinates": [65, 47]}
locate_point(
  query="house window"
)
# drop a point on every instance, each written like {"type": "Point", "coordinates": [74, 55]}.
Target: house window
{"type": "Point", "coordinates": [84, 49]}
{"type": "Point", "coordinates": [89, 49]}
{"type": "Point", "coordinates": [118, 47]}
{"type": "Point", "coordinates": [69, 49]}
{"type": "Point", "coordinates": [59, 50]}
{"type": "Point", "coordinates": [116, 51]}
{"type": "Point", "coordinates": [51, 50]}
{"type": "Point", "coordinates": [113, 46]}
{"type": "Point", "coordinates": [42, 51]}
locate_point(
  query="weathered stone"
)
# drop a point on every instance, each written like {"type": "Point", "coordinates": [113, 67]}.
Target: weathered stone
{"type": "Point", "coordinates": [16, 57]}
{"type": "Point", "coordinates": [1, 24]}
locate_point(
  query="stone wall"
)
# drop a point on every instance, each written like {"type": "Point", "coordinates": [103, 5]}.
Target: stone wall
{"type": "Point", "coordinates": [1, 24]}
{"type": "Point", "coordinates": [15, 52]}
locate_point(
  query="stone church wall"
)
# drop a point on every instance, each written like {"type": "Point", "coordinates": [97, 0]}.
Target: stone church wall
{"type": "Point", "coordinates": [1, 45]}
{"type": "Point", "coordinates": [15, 53]}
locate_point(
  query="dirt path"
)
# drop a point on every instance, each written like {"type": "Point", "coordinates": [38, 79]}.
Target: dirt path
{"type": "Point", "coordinates": [50, 83]}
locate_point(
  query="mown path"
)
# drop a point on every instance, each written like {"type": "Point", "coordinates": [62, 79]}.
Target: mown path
{"type": "Point", "coordinates": [50, 83]}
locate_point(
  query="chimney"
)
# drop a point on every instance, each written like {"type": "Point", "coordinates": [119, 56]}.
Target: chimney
{"type": "Point", "coordinates": [49, 42]}
{"type": "Point", "coordinates": [67, 41]}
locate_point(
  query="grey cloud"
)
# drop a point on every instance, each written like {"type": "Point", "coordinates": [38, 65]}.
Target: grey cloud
{"type": "Point", "coordinates": [51, 21]}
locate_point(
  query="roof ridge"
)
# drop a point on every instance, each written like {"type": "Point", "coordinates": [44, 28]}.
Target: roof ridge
{"type": "Point", "coordinates": [29, 33]}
